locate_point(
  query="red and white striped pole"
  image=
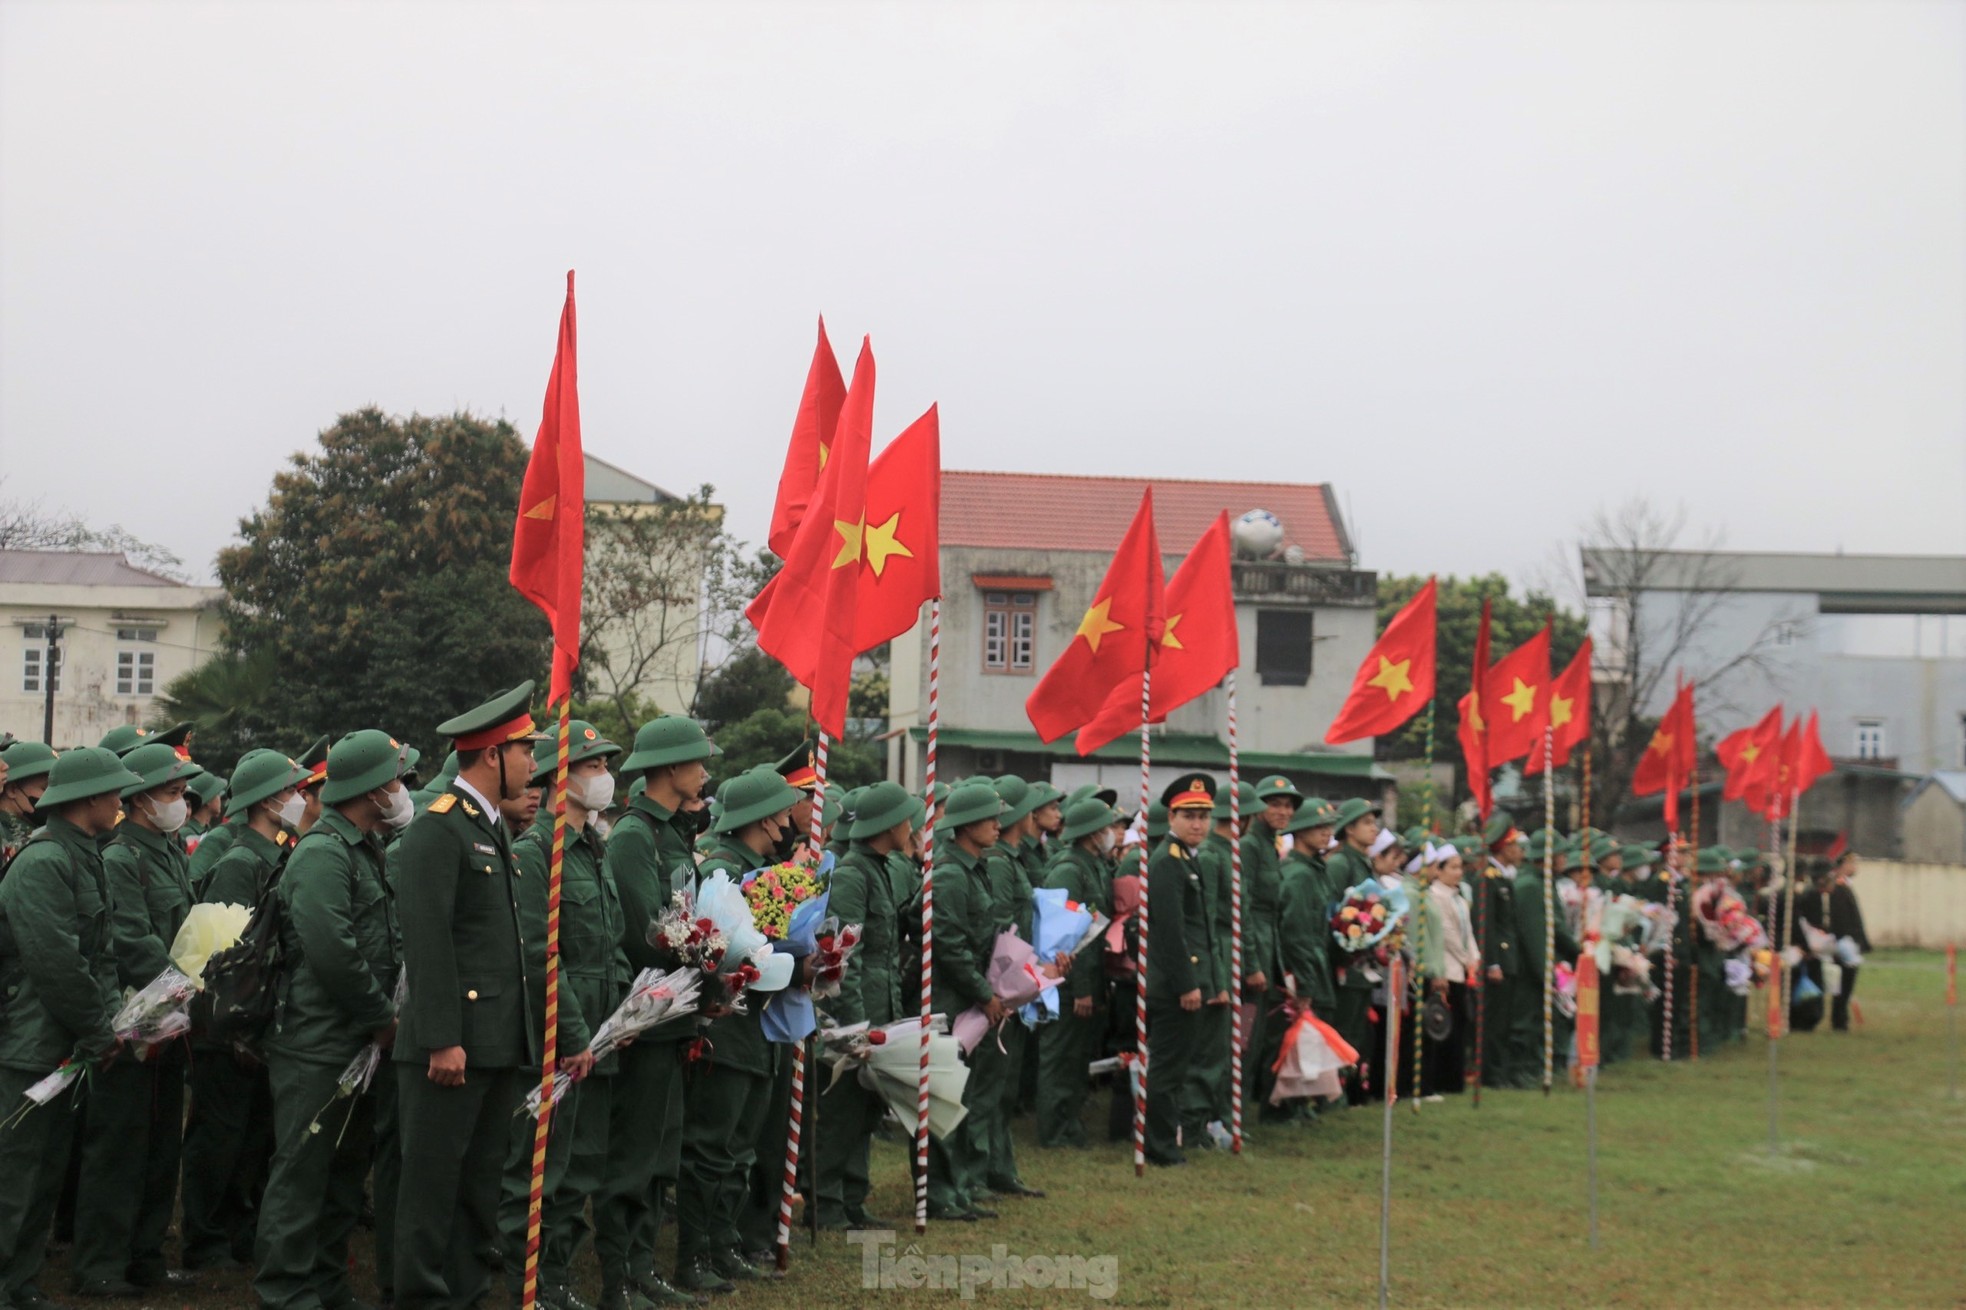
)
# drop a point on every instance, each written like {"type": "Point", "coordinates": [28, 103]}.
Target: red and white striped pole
{"type": "Point", "coordinates": [928, 912]}
{"type": "Point", "coordinates": [797, 1120]}
{"type": "Point", "coordinates": [1140, 1004]}
{"type": "Point", "coordinates": [1237, 1036]}
{"type": "Point", "coordinates": [550, 1061]}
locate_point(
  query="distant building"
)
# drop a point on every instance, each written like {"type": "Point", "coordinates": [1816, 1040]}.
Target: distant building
{"type": "Point", "coordinates": [1022, 555]}
{"type": "Point", "coordinates": [1875, 644]}
{"type": "Point", "coordinates": [122, 634]}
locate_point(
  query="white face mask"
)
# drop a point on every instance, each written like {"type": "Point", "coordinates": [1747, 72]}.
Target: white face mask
{"type": "Point", "coordinates": [1107, 840]}
{"type": "Point", "coordinates": [169, 816]}
{"type": "Point", "coordinates": [291, 810]}
{"type": "Point", "coordinates": [397, 809]}
{"type": "Point", "coordinates": [595, 791]}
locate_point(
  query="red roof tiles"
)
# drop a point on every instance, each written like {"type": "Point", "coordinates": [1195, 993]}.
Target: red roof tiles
{"type": "Point", "coordinates": [1045, 511]}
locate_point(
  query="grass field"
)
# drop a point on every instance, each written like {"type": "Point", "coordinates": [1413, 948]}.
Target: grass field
{"type": "Point", "coordinates": [1864, 1205]}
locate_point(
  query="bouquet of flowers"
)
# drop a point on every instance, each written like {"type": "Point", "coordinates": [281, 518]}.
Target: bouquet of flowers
{"type": "Point", "coordinates": [355, 1079]}
{"type": "Point", "coordinates": [1368, 916]}
{"type": "Point", "coordinates": [888, 1062]}
{"type": "Point", "coordinates": [207, 930]}
{"type": "Point", "coordinates": [157, 1012]}
{"type": "Point", "coordinates": [1060, 926]}
{"type": "Point", "coordinates": [789, 1016]}
{"type": "Point", "coordinates": [694, 940]}
{"type": "Point", "coordinates": [1723, 916]}
{"type": "Point", "coordinates": [1016, 977]}
{"type": "Point", "coordinates": [44, 1091]}
{"type": "Point", "coordinates": [833, 945]}
{"type": "Point", "coordinates": [775, 891]}
{"type": "Point", "coordinates": [654, 998]}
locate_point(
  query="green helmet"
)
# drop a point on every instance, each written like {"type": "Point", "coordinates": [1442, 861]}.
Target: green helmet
{"type": "Point", "coordinates": [1086, 816]}
{"type": "Point", "coordinates": [262, 774]}
{"type": "Point", "coordinates": [361, 762]}
{"type": "Point", "coordinates": [124, 738]}
{"type": "Point", "coordinates": [84, 772]}
{"type": "Point", "coordinates": [27, 759]}
{"type": "Point", "coordinates": [881, 807]}
{"type": "Point", "coordinates": [584, 742]}
{"type": "Point", "coordinates": [154, 766]}
{"type": "Point", "coordinates": [753, 795]}
{"type": "Point", "coordinates": [971, 802]}
{"type": "Point", "coordinates": [1156, 821]}
{"type": "Point", "coordinates": [207, 787]}
{"type": "Point", "coordinates": [1246, 797]}
{"type": "Point", "coordinates": [1276, 785]}
{"type": "Point", "coordinates": [1018, 796]}
{"type": "Point", "coordinates": [1352, 810]}
{"type": "Point", "coordinates": [671, 739]}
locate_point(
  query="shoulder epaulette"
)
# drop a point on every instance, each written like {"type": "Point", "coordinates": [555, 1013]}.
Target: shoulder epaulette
{"type": "Point", "coordinates": [442, 805]}
{"type": "Point", "coordinates": [280, 838]}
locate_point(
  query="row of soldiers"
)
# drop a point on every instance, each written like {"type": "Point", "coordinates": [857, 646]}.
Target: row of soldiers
{"type": "Point", "coordinates": [413, 919]}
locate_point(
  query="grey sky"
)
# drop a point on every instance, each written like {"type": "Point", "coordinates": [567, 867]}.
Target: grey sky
{"type": "Point", "coordinates": [1480, 265]}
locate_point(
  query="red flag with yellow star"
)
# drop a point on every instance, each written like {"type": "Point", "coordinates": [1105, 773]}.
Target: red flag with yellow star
{"type": "Point", "coordinates": [812, 435]}
{"type": "Point", "coordinates": [1566, 711]}
{"type": "Point", "coordinates": [901, 551]}
{"type": "Point", "coordinates": [1115, 638]}
{"type": "Point", "coordinates": [1198, 647]}
{"type": "Point", "coordinates": [550, 536]}
{"type": "Point", "coordinates": [1514, 699]}
{"type": "Point", "coordinates": [1473, 729]}
{"type": "Point", "coordinates": [1669, 757]}
{"type": "Point", "coordinates": [806, 616]}
{"type": "Point", "coordinates": [1744, 749]}
{"type": "Point", "coordinates": [1396, 679]}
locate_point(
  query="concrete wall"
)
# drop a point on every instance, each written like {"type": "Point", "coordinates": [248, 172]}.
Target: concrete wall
{"type": "Point", "coordinates": [187, 633]}
{"type": "Point", "coordinates": [1905, 904]}
{"type": "Point", "coordinates": [1935, 827]}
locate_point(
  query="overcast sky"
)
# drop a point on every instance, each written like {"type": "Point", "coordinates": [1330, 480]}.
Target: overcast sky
{"type": "Point", "coordinates": [1482, 266]}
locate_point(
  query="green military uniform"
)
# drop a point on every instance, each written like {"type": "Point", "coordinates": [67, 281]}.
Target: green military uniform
{"type": "Point", "coordinates": [338, 942]}
{"type": "Point", "coordinates": [136, 1108]}
{"type": "Point", "coordinates": [1304, 914]}
{"type": "Point", "coordinates": [870, 992]}
{"type": "Point", "coordinates": [1067, 1045]}
{"type": "Point", "coordinates": [1526, 1046]}
{"type": "Point", "coordinates": [649, 859]}
{"type": "Point", "coordinates": [593, 979]}
{"type": "Point", "coordinates": [1346, 868]}
{"type": "Point", "coordinates": [1010, 888]}
{"type": "Point", "coordinates": [228, 1140]}
{"type": "Point", "coordinates": [1492, 892]}
{"type": "Point", "coordinates": [1205, 1099]}
{"type": "Point", "coordinates": [965, 927]}
{"type": "Point", "coordinates": [1180, 960]}
{"type": "Point", "coordinates": [58, 992]}
{"type": "Point", "coordinates": [727, 1096]}
{"type": "Point", "coordinates": [25, 761]}
{"type": "Point", "coordinates": [465, 958]}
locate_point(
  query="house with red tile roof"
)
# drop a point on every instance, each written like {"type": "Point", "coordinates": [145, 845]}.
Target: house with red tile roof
{"type": "Point", "coordinates": [1022, 554]}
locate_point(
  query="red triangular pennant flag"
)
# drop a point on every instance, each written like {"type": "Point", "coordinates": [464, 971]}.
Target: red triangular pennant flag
{"type": "Point", "coordinates": [901, 557]}
{"type": "Point", "coordinates": [1114, 638]}
{"type": "Point", "coordinates": [550, 535]}
{"type": "Point", "coordinates": [1566, 712]}
{"type": "Point", "coordinates": [812, 433]}
{"type": "Point", "coordinates": [1741, 751]}
{"type": "Point", "coordinates": [1396, 679]}
{"type": "Point", "coordinates": [1473, 729]}
{"type": "Point", "coordinates": [1515, 700]}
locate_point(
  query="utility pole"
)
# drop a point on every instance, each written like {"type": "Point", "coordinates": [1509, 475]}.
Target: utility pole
{"type": "Point", "coordinates": [48, 682]}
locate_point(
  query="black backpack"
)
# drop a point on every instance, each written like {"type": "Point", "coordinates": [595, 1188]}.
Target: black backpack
{"type": "Point", "coordinates": [242, 981]}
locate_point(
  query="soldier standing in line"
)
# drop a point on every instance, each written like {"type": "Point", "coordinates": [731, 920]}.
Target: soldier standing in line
{"type": "Point", "coordinates": [1180, 961]}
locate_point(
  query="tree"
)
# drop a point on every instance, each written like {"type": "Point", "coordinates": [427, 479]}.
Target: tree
{"type": "Point", "coordinates": [226, 699]}
{"type": "Point", "coordinates": [27, 525]}
{"type": "Point", "coordinates": [1657, 599]}
{"type": "Point", "coordinates": [375, 577]}
{"type": "Point", "coordinates": [664, 601]}
{"type": "Point", "coordinates": [1514, 620]}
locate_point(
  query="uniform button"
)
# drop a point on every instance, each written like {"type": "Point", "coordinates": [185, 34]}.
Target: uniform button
{"type": "Point", "coordinates": [471, 995]}
{"type": "Point", "coordinates": [1194, 959]}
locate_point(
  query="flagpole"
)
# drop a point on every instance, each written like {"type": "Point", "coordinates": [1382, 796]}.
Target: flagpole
{"type": "Point", "coordinates": [1237, 1034]}
{"type": "Point", "coordinates": [549, 1063]}
{"type": "Point", "coordinates": [1549, 910]}
{"type": "Point", "coordinates": [1140, 963]}
{"type": "Point", "coordinates": [928, 913]}
{"type": "Point", "coordinates": [1788, 908]}
{"type": "Point", "coordinates": [795, 1122]}
{"type": "Point", "coordinates": [1420, 940]}
{"type": "Point", "coordinates": [1692, 947]}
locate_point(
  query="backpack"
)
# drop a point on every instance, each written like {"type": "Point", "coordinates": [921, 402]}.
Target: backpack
{"type": "Point", "coordinates": [242, 989]}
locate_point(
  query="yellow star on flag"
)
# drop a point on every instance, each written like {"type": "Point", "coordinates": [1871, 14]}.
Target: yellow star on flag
{"type": "Point", "coordinates": [1750, 752]}
{"type": "Point", "coordinates": [1521, 700]}
{"type": "Point", "coordinates": [1393, 677]}
{"type": "Point", "coordinates": [880, 543]}
{"type": "Point", "coordinates": [544, 509]}
{"type": "Point", "coordinates": [824, 451]}
{"type": "Point", "coordinates": [1474, 711]}
{"type": "Point", "coordinates": [1561, 710]}
{"type": "Point", "coordinates": [1168, 639]}
{"type": "Point", "coordinates": [1662, 742]}
{"type": "Point", "coordinates": [850, 541]}
{"type": "Point", "coordinates": [1097, 623]}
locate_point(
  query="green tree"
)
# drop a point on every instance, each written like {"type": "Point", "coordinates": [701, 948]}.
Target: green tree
{"type": "Point", "coordinates": [227, 699]}
{"type": "Point", "coordinates": [1513, 620]}
{"type": "Point", "coordinates": [375, 577]}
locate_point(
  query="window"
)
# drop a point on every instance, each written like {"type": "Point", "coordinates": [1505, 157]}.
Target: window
{"type": "Point", "coordinates": [1870, 739]}
{"type": "Point", "coordinates": [1010, 625]}
{"type": "Point", "coordinates": [33, 654]}
{"type": "Point", "coordinates": [1283, 647]}
{"type": "Point", "coordinates": [136, 667]}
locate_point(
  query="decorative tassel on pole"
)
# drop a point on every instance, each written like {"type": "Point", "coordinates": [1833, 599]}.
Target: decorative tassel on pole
{"type": "Point", "coordinates": [1140, 961]}
{"type": "Point", "coordinates": [928, 914]}
{"type": "Point", "coordinates": [1549, 910]}
{"type": "Point", "coordinates": [550, 1056]}
{"type": "Point", "coordinates": [796, 1122]}
{"type": "Point", "coordinates": [1237, 1036]}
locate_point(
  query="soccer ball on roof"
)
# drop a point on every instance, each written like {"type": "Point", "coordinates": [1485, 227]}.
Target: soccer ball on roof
{"type": "Point", "coordinates": [1258, 534]}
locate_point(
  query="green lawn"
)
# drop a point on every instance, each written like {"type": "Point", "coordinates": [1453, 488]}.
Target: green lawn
{"type": "Point", "coordinates": [1864, 1205]}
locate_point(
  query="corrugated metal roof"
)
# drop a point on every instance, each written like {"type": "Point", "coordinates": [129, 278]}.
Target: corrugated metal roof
{"type": "Point", "coordinates": [1940, 578]}
{"type": "Point", "coordinates": [1049, 511]}
{"type": "Point", "coordinates": [77, 568]}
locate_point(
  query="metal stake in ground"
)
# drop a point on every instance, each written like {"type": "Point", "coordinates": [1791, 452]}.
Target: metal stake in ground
{"type": "Point", "coordinates": [1952, 1019]}
{"type": "Point", "coordinates": [1394, 984]}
